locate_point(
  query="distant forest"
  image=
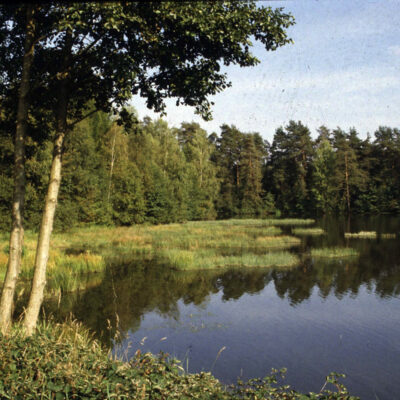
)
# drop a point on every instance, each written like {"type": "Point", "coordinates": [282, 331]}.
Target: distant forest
{"type": "Point", "coordinates": [150, 172]}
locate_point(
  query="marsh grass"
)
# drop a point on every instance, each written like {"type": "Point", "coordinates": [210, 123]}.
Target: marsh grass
{"type": "Point", "coordinates": [210, 259]}
{"type": "Point", "coordinates": [369, 235]}
{"type": "Point", "coordinates": [388, 236]}
{"type": "Point", "coordinates": [334, 252]}
{"type": "Point", "coordinates": [308, 231]}
{"type": "Point", "coordinates": [83, 251]}
{"type": "Point", "coordinates": [361, 235]}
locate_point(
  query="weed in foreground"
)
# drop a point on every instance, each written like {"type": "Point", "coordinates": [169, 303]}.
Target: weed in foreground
{"type": "Point", "coordinates": [62, 361]}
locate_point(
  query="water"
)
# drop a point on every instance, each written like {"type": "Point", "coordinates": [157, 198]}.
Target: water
{"type": "Point", "coordinates": [322, 316]}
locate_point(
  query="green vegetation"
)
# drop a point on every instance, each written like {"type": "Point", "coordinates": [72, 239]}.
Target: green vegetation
{"type": "Point", "coordinates": [308, 231]}
{"type": "Point", "coordinates": [361, 235]}
{"type": "Point", "coordinates": [369, 235]}
{"type": "Point", "coordinates": [79, 257]}
{"type": "Point", "coordinates": [334, 252]}
{"type": "Point", "coordinates": [63, 362]}
{"type": "Point", "coordinates": [209, 259]}
{"type": "Point", "coordinates": [388, 236]}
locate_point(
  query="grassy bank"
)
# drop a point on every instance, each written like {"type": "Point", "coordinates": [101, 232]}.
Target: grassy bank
{"type": "Point", "coordinates": [63, 362]}
{"type": "Point", "coordinates": [194, 245]}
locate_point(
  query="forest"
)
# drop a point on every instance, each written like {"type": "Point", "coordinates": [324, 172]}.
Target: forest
{"type": "Point", "coordinates": [150, 172]}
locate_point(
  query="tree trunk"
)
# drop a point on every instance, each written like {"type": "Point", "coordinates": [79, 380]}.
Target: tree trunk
{"type": "Point", "coordinates": [112, 164]}
{"type": "Point", "coordinates": [46, 227]}
{"type": "Point", "coordinates": [347, 182]}
{"type": "Point", "coordinates": [17, 229]}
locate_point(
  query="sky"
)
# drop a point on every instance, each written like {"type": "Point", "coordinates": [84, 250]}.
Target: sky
{"type": "Point", "coordinates": [342, 70]}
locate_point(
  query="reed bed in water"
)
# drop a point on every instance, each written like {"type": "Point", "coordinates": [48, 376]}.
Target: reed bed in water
{"type": "Point", "coordinates": [210, 244]}
{"type": "Point", "coordinates": [254, 222]}
{"type": "Point", "coordinates": [193, 242]}
{"type": "Point", "coordinates": [210, 259]}
{"type": "Point", "coordinates": [308, 231]}
{"type": "Point", "coordinates": [361, 235]}
{"type": "Point", "coordinates": [334, 252]}
{"type": "Point", "coordinates": [369, 235]}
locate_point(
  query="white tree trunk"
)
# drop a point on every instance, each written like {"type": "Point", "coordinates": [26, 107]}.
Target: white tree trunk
{"type": "Point", "coordinates": [46, 227]}
{"type": "Point", "coordinates": [17, 229]}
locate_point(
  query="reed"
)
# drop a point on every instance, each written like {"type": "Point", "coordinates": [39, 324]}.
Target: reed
{"type": "Point", "coordinates": [334, 252]}
{"type": "Point", "coordinates": [361, 235]}
{"type": "Point", "coordinates": [388, 236]}
{"type": "Point", "coordinates": [199, 244]}
{"type": "Point", "coordinates": [308, 231]}
{"type": "Point", "coordinates": [210, 259]}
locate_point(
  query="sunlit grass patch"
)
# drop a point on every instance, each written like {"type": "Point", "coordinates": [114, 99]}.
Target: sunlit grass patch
{"type": "Point", "coordinates": [361, 235]}
{"type": "Point", "coordinates": [252, 222]}
{"type": "Point", "coordinates": [209, 259]}
{"type": "Point", "coordinates": [337, 252]}
{"type": "Point", "coordinates": [193, 245]}
{"type": "Point", "coordinates": [308, 231]}
{"type": "Point", "coordinates": [291, 221]}
{"type": "Point", "coordinates": [276, 241]}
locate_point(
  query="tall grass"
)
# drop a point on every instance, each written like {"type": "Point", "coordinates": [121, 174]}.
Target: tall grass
{"type": "Point", "coordinates": [308, 231]}
{"type": "Point", "coordinates": [334, 252]}
{"type": "Point", "coordinates": [369, 235]}
{"type": "Point", "coordinates": [89, 250]}
{"type": "Point", "coordinates": [361, 235]}
{"type": "Point", "coordinates": [210, 259]}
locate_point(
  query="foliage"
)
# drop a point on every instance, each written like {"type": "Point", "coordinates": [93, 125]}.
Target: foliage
{"type": "Point", "coordinates": [118, 175]}
{"type": "Point", "coordinates": [62, 361]}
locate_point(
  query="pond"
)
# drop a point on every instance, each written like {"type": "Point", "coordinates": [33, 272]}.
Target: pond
{"type": "Point", "coordinates": [325, 315]}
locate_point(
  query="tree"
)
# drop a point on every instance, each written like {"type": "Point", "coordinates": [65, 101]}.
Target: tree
{"type": "Point", "coordinates": [228, 159]}
{"type": "Point", "coordinates": [251, 190]}
{"type": "Point", "coordinates": [109, 52]}
{"type": "Point", "coordinates": [350, 179]}
{"type": "Point", "coordinates": [323, 187]}
{"type": "Point", "coordinates": [203, 185]}
{"type": "Point", "coordinates": [289, 171]}
{"type": "Point", "coordinates": [17, 229]}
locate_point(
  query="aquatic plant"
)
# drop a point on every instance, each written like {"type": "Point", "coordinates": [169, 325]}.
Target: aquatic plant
{"type": "Point", "coordinates": [338, 252]}
{"type": "Point", "coordinates": [210, 259]}
{"type": "Point", "coordinates": [308, 231]}
{"type": "Point", "coordinates": [361, 235]}
{"type": "Point", "coordinates": [388, 236]}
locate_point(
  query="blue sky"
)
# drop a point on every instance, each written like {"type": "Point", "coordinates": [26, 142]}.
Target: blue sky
{"type": "Point", "coordinates": [342, 70]}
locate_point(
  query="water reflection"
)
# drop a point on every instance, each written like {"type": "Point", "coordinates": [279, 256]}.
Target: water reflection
{"type": "Point", "coordinates": [129, 292]}
{"type": "Point", "coordinates": [321, 316]}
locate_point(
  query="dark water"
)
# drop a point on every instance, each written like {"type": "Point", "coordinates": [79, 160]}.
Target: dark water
{"type": "Point", "coordinates": [322, 316]}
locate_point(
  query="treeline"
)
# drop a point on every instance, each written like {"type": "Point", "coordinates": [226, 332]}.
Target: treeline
{"type": "Point", "coordinates": [150, 172]}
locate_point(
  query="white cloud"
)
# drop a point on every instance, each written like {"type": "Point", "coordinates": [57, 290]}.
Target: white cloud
{"type": "Point", "coordinates": [394, 50]}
